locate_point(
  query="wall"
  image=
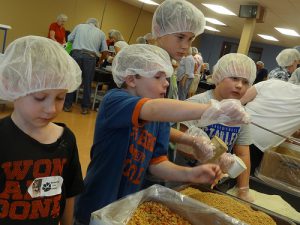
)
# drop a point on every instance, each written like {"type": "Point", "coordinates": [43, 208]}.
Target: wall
{"type": "Point", "coordinates": [210, 47]}
{"type": "Point", "coordinates": [33, 17]}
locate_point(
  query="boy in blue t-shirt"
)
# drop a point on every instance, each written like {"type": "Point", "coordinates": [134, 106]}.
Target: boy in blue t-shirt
{"type": "Point", "coordinates": [132, 131]}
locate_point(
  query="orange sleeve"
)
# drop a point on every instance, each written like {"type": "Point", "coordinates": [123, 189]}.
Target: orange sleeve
{"type": "Point", "coordinates": [137, 110]}
{"type": "Point", "coordinates": [159, 159]}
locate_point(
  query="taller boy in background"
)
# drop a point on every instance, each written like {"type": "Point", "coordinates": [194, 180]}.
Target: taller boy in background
{"type": "Point", "coordinates": [175, 24]}
{"type": "Point", "coordinates": [40, 172]}
{"type": "Point", "coordinates": [132, 130]}
{"type": "Point", "coordinates": [233, 74]}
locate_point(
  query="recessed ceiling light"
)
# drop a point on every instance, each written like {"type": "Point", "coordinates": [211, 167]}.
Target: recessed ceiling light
{"type": "Point", "coordinates": [289, 32]}
{"type": "Point", "coordinates": [211, 28]}
{"type": "Point", "coordinates": [149, 2]}
{"type": "Point", "coordinates": [219, 9]}
{"type": "Point", "coordinates": [5, 26]}
{"type": "Point", "coordinates": [268, 37]}
{"type": "Point", "coordinates": [214, 21]}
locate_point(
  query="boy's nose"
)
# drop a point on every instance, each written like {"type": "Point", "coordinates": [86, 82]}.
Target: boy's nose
{"type": "Point", "coordinates": [185, 45]}
{"type": "Point", "coordinates": [239, 83]}
{"type": "Point", "coordinates": [166, 83]}
{"type": "Point", "coordinates": [50, 108]}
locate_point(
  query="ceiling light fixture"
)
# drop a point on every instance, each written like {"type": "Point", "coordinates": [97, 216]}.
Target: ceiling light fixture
{"type": "Point", "coordinates": [289, 32]}
{"type": "Point", "coordinates": [219, 9]}
{"type": "Point", "coordinates": [211, 28]}
{"type": "Point", "coordinates": [267, 37]}
{"type": "Point", "coordinates": [149, 2]}
{"type": "Point", "coordinates": [214, 21]}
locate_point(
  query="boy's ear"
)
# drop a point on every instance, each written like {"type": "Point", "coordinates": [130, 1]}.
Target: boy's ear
{"type": "Point", "coordinates": [130, 81]}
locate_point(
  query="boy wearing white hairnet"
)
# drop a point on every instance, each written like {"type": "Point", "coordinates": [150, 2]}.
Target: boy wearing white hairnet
{"type": "Point", "coordinates": [132, 131]}
{"type": "Point", "coordinates": [39, 159]}
{"type": "Point", "coordinates": [287, 61]}
{"type": "Point", "coordinates": [175, 24]}
{"type": "Point", "coordinates": [233, 74]}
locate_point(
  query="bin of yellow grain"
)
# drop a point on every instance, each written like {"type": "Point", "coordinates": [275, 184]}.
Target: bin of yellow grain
{"type": "Point", "coordinates": [161, 204]}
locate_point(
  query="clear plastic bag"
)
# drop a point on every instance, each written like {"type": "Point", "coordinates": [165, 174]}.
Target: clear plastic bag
{"type": "Point", "coordinates": [197, 213]}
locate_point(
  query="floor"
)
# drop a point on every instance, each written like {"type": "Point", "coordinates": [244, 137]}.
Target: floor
{"type": "Point", "coordinates": [81, 125]}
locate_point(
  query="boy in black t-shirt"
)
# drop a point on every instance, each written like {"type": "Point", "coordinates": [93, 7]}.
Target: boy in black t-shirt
{"type": "Point", "coordinates": [40, 173]}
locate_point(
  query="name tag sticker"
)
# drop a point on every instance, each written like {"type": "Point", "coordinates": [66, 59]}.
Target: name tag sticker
{"type": "Point", "coordinates": [45, 186]}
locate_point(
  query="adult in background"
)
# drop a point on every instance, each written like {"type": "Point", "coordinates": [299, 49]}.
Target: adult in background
{"type": "Point", "coordinates": [119, 41]}
{"type": "Point", "coordinates": [274, 109]}
{"type": "Point", "coordinates": [185, 74]}
{"type": "Point", "coordinates": [198, 60]}
{"type": "Point", "coordinates": [295, 77]}
{"type": "Point", "coordinates": [110, 41]}
{"type": "Point", "coordinates": [261, 73]}
{"type": "Point", "coordinates": [287, 61]}
{"type": "Point", "coordinates": [57, 31]}
{"type": "Point", "coordinates": [89, 43]}
{"type": "Point", "coordinates": [141, 40]}
{"type": "Point", "coordinates": [150, 39]}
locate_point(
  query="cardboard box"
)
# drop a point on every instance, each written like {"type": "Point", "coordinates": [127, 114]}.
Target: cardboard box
{"type": "Point", "coordinates": [282, 164]}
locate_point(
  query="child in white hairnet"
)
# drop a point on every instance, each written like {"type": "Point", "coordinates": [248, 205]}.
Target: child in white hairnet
{"type": "Point", "coordinates": [132, 130]}
{"type": "Point", "coordinates": [233, 74]}
{"type": "Point", "coordinates": [175, 24]}
{"type": "Point", "coordinates": [40, 171]}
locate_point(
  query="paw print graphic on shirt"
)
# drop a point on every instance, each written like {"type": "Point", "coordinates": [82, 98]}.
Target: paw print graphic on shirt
{"type": "Point", "coordinates": [47, 186]}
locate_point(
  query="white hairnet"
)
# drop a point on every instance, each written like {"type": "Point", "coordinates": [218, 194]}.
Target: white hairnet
{"type": "Point", "coordinates": [287, 57]}
{"type": "Point", "coordinates": [234, 65]}
{"type": "Point", "coordinates": [194, 50]}
{"type": "Point", "coordinates": [148, 36]}
{"type": "Point", "coordinates": [142, 59]}
{"type": "Point", "coordinates": [175, 16]}
{"type": "Point", "coordinates": [31, 64]}
{"type": "Point", "coordinates": [141, 40]}
{"type": "Point", "coordinates": [62, 17]}
{"type": "Point", "coordinates": [93, 21]}
{"type": "Point", "coordinates": [297, 47]}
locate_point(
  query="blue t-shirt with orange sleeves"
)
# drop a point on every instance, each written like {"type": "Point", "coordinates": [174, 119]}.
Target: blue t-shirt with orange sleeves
{"type": "Point", "coordinates": [123, 149]}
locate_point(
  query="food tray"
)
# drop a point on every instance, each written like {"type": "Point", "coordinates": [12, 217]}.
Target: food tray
{"type": "Point", "coordinates": [197, 213]}
{"type": "Point", "coordinates": [260, 186]}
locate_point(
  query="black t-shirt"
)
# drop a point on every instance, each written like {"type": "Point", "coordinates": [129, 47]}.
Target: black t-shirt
{"type": "Point", "coordinates": [23, 159]}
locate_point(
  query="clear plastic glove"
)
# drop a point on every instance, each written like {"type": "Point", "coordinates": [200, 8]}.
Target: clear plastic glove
{"type": "Point", "coordinates": [199, 144]}
{"type": "Point", "coordinates": [229, 111]}
{"type": "Point", "coordinates": [226, 161]}
{"type": "Point", "coordinates": [243, 193]}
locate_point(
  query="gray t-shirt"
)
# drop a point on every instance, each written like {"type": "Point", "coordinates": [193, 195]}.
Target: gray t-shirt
{"type": "Point", "coordinates": [231, 135]}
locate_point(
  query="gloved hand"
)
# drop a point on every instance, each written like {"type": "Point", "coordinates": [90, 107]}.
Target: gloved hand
{"type": "Point", "coordinates": [229, 111]}
{"type": "Point", "coordinates": [226, 161]}
{"type": "Point", "coordinates": [197, 144]}
{"type": "Point", "coordinates": [243, 193]}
